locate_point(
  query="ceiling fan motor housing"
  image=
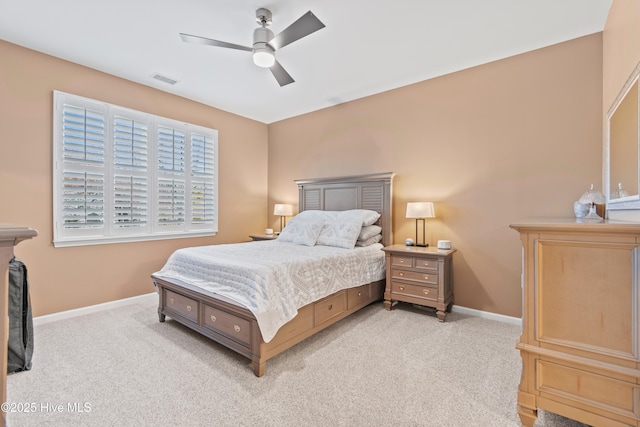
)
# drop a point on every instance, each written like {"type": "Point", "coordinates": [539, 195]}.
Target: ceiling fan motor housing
{"type": "Point", "coordinates": [263, 53]}
{"type": "Point", "coordinates": [262, 35]}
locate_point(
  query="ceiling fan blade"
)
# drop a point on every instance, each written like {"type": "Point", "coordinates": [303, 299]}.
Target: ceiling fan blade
{"type": "Point", "coordinates": [211, 42]}
{"type": "Point", "coordinates": [281, 74]}
{"type": "Point", "coordinates": [305, 25]}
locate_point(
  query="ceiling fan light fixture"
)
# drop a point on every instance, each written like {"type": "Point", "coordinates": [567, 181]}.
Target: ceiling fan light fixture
{"type": "Point", "coordinates": [263, 55]}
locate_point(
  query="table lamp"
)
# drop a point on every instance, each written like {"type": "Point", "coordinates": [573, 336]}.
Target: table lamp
{"type": "Point", "coordinates": [283, 211]}
{"type": "Point", "coordinates": [420, 211]}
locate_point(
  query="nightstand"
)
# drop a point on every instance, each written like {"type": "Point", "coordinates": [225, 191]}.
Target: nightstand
{"type": "Point", "coordinates": [420, 276]}
{"type": "Point", "coordinates": [256, 237]}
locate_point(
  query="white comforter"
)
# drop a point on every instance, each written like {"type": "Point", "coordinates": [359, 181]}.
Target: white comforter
{"type": "Point", "coordinates": [274, 279]}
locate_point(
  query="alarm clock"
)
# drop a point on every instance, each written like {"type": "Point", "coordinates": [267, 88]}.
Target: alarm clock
{"type": "Point", "coordinates": [444, 244]}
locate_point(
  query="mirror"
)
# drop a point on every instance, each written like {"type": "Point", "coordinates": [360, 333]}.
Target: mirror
{"type": "Point", "coordinates": [622, 148]}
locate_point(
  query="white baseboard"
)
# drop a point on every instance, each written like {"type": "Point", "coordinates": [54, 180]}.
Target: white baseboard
{"type": "Point", "coordinates": [91, 309]}
{"type": "Point", "coordinates": [487, 315]}
{"type": "Point", "coordinates": [153, 295]}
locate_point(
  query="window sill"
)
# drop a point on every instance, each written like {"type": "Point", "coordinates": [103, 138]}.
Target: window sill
{"type": "Point", "coordinates": [102, 240]}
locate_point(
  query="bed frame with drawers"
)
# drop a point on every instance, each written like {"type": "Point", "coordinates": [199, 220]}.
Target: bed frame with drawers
{"type": "Point", "coordinates": [235, 327]}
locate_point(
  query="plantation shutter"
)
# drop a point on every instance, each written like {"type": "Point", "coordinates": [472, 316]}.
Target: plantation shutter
{"type": "Point", "coordinates": [121, 175]}
{"type": "Point", "coordinates": [130, 196]}
{"type": "Point", "coordinates": [171, 206]}
{"type": "Point", "coordinates": [202, 184]}
{"type": "Point", "coordinates": [83, 146]}
{"type": "Point", "coordinates": [171, 162]}
{"type": "Point", "coordinates": [171, 150]}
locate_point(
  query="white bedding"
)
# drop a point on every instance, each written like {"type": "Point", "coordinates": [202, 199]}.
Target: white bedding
{"type": "Point", "coordinates": [274, 279]}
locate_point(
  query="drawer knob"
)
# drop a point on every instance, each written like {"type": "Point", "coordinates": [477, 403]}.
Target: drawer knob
{"type": "Point", "coordinates": [401, 261]}
{"type": "Point", "coordinates": [401, 274]}
{"type": "Point", "coordinates": [359, 294]}
{"type": "Point", "coordinates": [171, 301]}
{"type": "Point", "coordinates": [401, 288]}
{"type": "Point", "coordinates": [188, 308]}
{"type": "Point", "coordinates": [426, 264]}
{"type": "Point", "coordinates": [213, 318]}
{"type": "Point", "coordinates": [426, 277]}
{"type": "Point", "coordinates": [236, 328]}
{"type": "Point", "coordinates": [425, 291]}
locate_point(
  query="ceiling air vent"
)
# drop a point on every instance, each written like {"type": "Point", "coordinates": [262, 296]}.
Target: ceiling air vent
{"type": "Point", "coordinates": [164, 79]}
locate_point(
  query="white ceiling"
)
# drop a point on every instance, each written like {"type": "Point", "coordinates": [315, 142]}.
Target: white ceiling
{"type": "Point", "coordinates": [367, 47]}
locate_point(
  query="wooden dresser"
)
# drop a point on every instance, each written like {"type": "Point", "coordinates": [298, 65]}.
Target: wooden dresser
{"type": "Point", "coordinates": [9, 237]}
{"type": "Point", "coordinates": [419, 276]}
{"type": "Point", "coordinates": [580, 342]}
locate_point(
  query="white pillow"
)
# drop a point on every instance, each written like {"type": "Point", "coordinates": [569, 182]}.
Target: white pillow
{"type": "Point", "coordinates": [341, 233]}
{"type": "Point", "coordinates": [313, 215]}
{"type": "Point", "coordinates": [368, 231]}
{"type": "Point", "coordinates": [367, 217]}
{"type": "Point", "coordinates": [369, 241]}
{"type": "Point", "coordinates": [301, 232]}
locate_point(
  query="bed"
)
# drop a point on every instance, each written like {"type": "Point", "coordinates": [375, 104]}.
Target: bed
{"type": "Point", "coordinates": [189, 295]}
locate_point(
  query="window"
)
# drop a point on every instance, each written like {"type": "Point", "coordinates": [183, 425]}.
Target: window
{"type": "Point", "coordinates": [121, 175]}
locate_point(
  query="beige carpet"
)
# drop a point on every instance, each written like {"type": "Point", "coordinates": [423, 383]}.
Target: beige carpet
{"type": "Point", "coordinates": [376, 368]}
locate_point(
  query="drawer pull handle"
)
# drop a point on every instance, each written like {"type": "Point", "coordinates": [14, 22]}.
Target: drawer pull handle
{"type": "Point", "coordinates": [426, 264]}
{"type": "Point", "coordinates": [188, 308]}
{"type": "Point", "coordinates": [425, 291]}
{"type": "Point", "coordinates": [236, 328]}
{"type": "Point", "coordinates": [330, 306]}
{"type": "Point", "coordinates": [171, 301]}
{"type": "Point", "coordinates": [213, 318]}
{"type": "Point", "coordinates": [401, 288]}
{"type": "Point", "coordinates": [401, 261]}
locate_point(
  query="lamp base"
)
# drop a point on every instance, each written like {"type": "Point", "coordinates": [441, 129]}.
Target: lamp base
{"type": "Point", "coordinates": [426, 245]}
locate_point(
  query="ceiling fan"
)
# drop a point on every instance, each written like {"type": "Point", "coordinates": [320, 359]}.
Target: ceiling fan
{"type": "Point", "coordinates": [264, 42]}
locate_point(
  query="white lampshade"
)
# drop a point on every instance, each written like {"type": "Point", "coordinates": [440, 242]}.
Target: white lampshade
{"type": "Point", "coordinates": [283, 210]}
{"type": "Point", "coordinates": [420, 210]}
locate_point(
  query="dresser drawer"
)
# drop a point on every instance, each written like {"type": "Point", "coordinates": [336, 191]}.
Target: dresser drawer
{"type": "Point", "coordinates": [582, 386]}
{"type": "Point", "coordinates": [186, 307]}
{"type": "Point", "coordinates": [417, 276]}
{"type": "Point", "coordinates": [234, 327]}
{"type": "Point", "coordinates": [330, 307]}
{"type": "Point", "coordinates": [415, 291]}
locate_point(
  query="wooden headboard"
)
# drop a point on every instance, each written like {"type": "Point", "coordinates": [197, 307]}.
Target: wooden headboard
{"type": "Point", "coordinates": [373, 192]}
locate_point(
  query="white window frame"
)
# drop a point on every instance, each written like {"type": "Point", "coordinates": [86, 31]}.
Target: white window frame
{"type": "Point", "coordinates": [113, 231]}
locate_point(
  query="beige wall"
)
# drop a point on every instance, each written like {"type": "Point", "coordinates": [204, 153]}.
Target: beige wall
{"type": "Point", "coordinates": [490, 145]}
{"type": "Point", "coordinates": [620, 47]}
{"type": "Point", "coordinates": [67, 278]}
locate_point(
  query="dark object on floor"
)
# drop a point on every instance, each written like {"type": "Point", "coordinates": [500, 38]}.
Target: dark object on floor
{"type": "Point", "coordinates": [20, 346]}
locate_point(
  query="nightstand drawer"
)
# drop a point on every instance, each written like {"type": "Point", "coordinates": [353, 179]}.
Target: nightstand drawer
{"type": "Point", "coordinates": [417, 276]}
{"type": "Point", "coordinates": [401, 261]}
{"type": "Point", "coordinates": [426, 263]}
{"type": "Point", "coordinates": [416, 291]}
{"type": "Point", "coordinates": [182, 305]}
